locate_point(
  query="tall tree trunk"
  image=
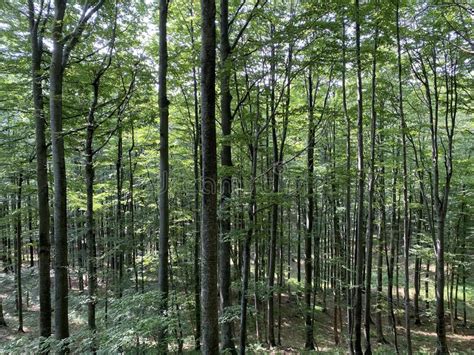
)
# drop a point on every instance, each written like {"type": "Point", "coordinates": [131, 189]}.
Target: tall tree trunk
{"type": "Point", "coordinates": [61, 327]}
{"type": "Point", "coordinates": [197, 219]}
{"type": "Point", "coordinates": [252, 214]}
{"type": "Point", "coordinates": [382, 240]}
{"type": "Point", "coordinates": [337, 266]}
{"type": "Point", "coordinates": [226, 181]}
{"type": "Point", "coordinates": [298, 229]}
{"type": "Point", "coordinates": [119, 235]}
{"type": "Point", "coordinates": [406, 213]}
{"type": "Point", "coordinates": [18, 247]}
{"type": "Point", "coordinates": [309, 338]}
{"type": "Point", "coordinates": [347, 200]}
{"type": "Point", "coordinates": [163, 282]}
{"type": "Point", "coordinates": [90, 231]}
{"type": "Point", "coordinates": [463, 271]}
{"type": "Point", "coordinates": [370, 209]}
{"type": "Point", "coordinates": [59, 58]}
{"type": "Point", "coordinates": [197, 167]}
{"type": "Point", "coordinates": [30, 228]}
{"type": "Point", "coordinates": [360, 195]}
{"type": "Point", "coordinates": [80, 249]}
{"type": "Point", "coordinates": [131, 207]}
{"type": "Point", "coordinates": [280, 275]}
{"type": "Point", "coordinates": [417, 281]}
{"type": "Point", "coordinates": [246, 262]}
{"type": "Point", "coordinates": [44, 246]}
{"type": "Point", "coordinates": [442, 345]}
{"type": "Point", "coordinates": [390, 257]}
{"type": "Point", "coordinates": [274, 210]}
{"type": "Point", "coordinates": [209, 291]}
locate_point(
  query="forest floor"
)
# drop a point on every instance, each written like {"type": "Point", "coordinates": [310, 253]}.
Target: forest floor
{"type": "Point", "coordinates": [292, 324]}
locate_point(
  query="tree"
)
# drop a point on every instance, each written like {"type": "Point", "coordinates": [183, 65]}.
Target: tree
{"type": "Point", "coordinates": [90, 152]}
{"type": "Point", "coordinates": [359, 251]}
{"type": "Point", "coordinates": [62, 47]}
{"type": "Point", "coordinates": [37, 26]}
{"type": "Point", "coordinates": [321, 207]}
{"type": "Point", "coordinates": [226, 181]}
{"type": "Point", "coordinates": [370, 208]}
{"type": "Point", "coordinates": [309, 342]}
{"type": "Point", "coordinates": [164, 171]}
{"type": "Point", "coordinates": [406, 211]}
{"type": "Point", "coordinates": [18, 258]}
{"type": "Point", "coordinates": [209, 302]}
{"type": "Point", "coordinates": [56, 75]}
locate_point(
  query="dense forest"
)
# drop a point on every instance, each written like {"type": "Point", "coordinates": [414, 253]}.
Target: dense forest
{"type": "Point", "coordinates": [247, 176]}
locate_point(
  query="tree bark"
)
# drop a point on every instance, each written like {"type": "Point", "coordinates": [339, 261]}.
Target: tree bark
{"type": "Point", "coordinates": [274, 210]}
{"type": "Point", "coordinates": [209, 254]}
{"type": "Point", "coordinates": [44, 246]}
{"type": "Point", "coordinates": [406, 212]}
{"type": "Point", "coordinates": [18, 247]}
{"type": "Point", "coordinates": [163, 282]}
{"type": "Point", "coordinates": [59, 59]}
{"type": "Point", "coordinates": [197, 167]}
{"type": "Point", "coordinates": [59, 173]}
{"type": "Point", "coordinates": [382, 240]}
{"type": "Point", "coordinates": [226, 181]}
{"type": "Point", "coordinates": [90, 232]}
{"type": "Point", "coordinates": [360, 195]}
{"type": "Point", "coordinates": [347, 201]}
{"type": "Point", "coordinates": [370, 209]}
{"type": "Point", "coordinates": [390, 257]}
{"type": "Point", "coordinates": [309, 338]}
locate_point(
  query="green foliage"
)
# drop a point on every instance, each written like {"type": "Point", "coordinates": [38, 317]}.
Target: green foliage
{"type": "Point", "coordinates": [431, 32]}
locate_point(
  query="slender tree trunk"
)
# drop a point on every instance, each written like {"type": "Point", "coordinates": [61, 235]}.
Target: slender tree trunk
{"type": "Point", "coordinates": [246, 261]}
{"type": "Point", "coordinates": [336, 272]}
{"type": "Point", "coordinates": [380, 250]}
{"type": "Point", "coordinates": [30, 228]}
{"type": "Point", "coordinates": [456, 289]}
{"type": "Point", "coordinates": [427, 276]}
{"type": "Point", "coordinates": [309, 338]}
{"type": "Point", "coordinates": [197, 224]}
{"type": "Point", "coordinates": [119, 240]}
{"type": "Point", "coordinates": [209, 254]}
{"type": "Point", "coordinates": [131, 168]}
{"type": "Point", "coordinates": [18, 247]}
{"type": "Point", "coordinates": [90, 227]}
{"type": "Point", "coordinates": [280, 276]}
{"type": "Point", "coordinates": [59, 173]}
{"type": "Point", "coordinates": [226, 181]}
{"type": "Point", "coordinates": [252, 212]}
{"type": "Point", "coordinates": [274, 210]}
{"type": "Point", "coordinates": [298, 229]}
{"type": "Point", "coordinates": [406, 212]}
{"type": "Point", "coordinates": [4, 252]}
{"type": "Point", "coordinates": [360, 195]}
{"type": "Point", "coordinates": [163, 282]}
{"type": "Point", "coordinates": [463, 265]}
{"type": "Point", "coordinates": [417, 281]}
{"type": "Point", "coordinates": [442, 345]}
{"type": "Point", "coordinates": [390, 259]}
{"type": "Point", "coordinates": [347, 203]}
{"type": "Point", "coordinates": [80, 252]}
{"type": "Point", "coordinates": [44, 247]}
{"type": "Point", "coordinates": [197, 166]}
{"type": "Point", "coordinates": [370, 209]}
